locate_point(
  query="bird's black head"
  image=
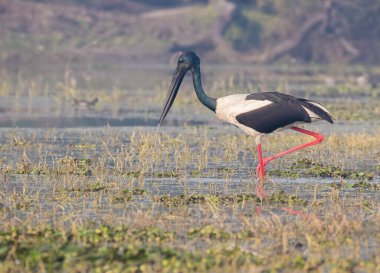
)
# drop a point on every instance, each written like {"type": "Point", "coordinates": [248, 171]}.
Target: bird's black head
{"type": "Point", "coordinates": [187, 61]}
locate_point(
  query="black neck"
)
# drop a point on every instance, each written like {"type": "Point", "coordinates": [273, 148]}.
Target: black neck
{"type": "Point", "coordinates": [210, 103]}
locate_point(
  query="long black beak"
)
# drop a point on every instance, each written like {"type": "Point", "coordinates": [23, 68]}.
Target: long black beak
{"type": "Point", "coordinates": [178, 76]}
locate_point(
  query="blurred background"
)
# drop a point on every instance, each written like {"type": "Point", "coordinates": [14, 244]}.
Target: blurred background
{"type": "Point", "coordinates": [80, 56]}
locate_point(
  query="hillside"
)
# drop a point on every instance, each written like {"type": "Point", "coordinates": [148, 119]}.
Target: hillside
{"type": "Point", "coordinates": [148, 31]}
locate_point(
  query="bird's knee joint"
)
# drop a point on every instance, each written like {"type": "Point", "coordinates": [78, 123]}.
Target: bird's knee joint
{"type": "Point", "coordinates": [320, 138]}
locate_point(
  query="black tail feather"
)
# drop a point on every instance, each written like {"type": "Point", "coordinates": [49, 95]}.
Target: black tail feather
{"type": "Point", "coordinates": [317, 110]}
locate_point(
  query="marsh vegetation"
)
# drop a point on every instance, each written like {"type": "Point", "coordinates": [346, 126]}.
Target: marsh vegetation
{"type": "Point", "coordinates": [123, 197]}
{"type": "Point", "coordinates": [88, 184]}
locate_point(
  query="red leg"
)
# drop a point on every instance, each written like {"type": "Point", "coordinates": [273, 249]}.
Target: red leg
{"type": "Point", "coordinates": [260, 170]}
{"type": "Point", "coordinates": [260, 173]}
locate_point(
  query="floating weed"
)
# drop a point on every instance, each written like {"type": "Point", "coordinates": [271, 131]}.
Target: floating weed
{"type": "Point", "coordinates": [285, 173]}
{"type": "Point", "coordinates": [94, 187]}
{"type": "Point", "coordinates": [26, 167]}
{"type": "Point", "coordinates": [87, 187]}
{"type": "Point", "coordinates": [138, 250]}
{"type": "Point", "coordinates": [83, 146]}
{"type": "Point", "coordinates": [152, 234]}
{"type": "Point", "coordinates": [239, 198]}
{"type": "Point", "coordinates": [315, 169]}
{"type": "Point", "coordinates": [180, 199]}
{"type": "Point", "coordinates": [121, 198]}
{"type": "Point", "coordinates": [336, 185]}
{"type": "Point", "coordinates": [362, 175]}
{"type": "Point", "coordinates": [283, 198]}
{"type": "Point", "coordinates": [18, 201]}
{"type": "Point", "coordinates": [135, 192]}
{"type": "Point", "coordinates": [366, 186]}
{"type": "Point", "coordinates": [280, 197]}
{"type": "Point", "coordinates": [192, 199]}
{"type": "Point", "coordinates": [70, 165]}
{"type": "Point", "coordinates": [135, 173]}
{"type": "Point", "coordinates": [196, 173]}
{"type": "Point", "coordinates": [128, 195]}
{"type": "Point", "coordinates": [209, 231]}
{"type": "Point", "coordinates": [163, 174]}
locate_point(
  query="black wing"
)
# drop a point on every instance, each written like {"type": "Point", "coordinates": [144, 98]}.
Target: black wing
{"type": "Point", "coordinates": [285, 110]}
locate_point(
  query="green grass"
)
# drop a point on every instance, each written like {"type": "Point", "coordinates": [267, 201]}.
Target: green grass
{"type": "Point", "coordinates": [130, 202]}
{"type": "Point", "coordinates": [258, 243]}
{"type": "Point", "coordinates": [183, 200]}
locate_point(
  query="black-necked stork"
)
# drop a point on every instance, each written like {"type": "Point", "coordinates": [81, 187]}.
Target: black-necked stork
{"type": "Point", "coordinates": [256, 114]}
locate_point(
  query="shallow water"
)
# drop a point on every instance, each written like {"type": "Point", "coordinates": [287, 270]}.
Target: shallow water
{"type": "Point", "coordinates": [43, 199]}
{"type": "Point", "coordinates": [40, 131]}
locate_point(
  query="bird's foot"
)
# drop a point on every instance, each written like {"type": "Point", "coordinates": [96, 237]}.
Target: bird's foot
{"type": "Point", "coordinates": [260, 173]}
{"type": "Point", "coordinates": [259, 190]}
{"type": "Point", "coordinates": [260, 179]}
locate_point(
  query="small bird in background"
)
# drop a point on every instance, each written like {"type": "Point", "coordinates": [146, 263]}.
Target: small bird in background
{"type": "Point", "coordinates": [84, 104]}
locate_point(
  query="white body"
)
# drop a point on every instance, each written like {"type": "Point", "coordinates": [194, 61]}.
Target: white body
{"type": "Point", "coordinates": [227, 108]}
